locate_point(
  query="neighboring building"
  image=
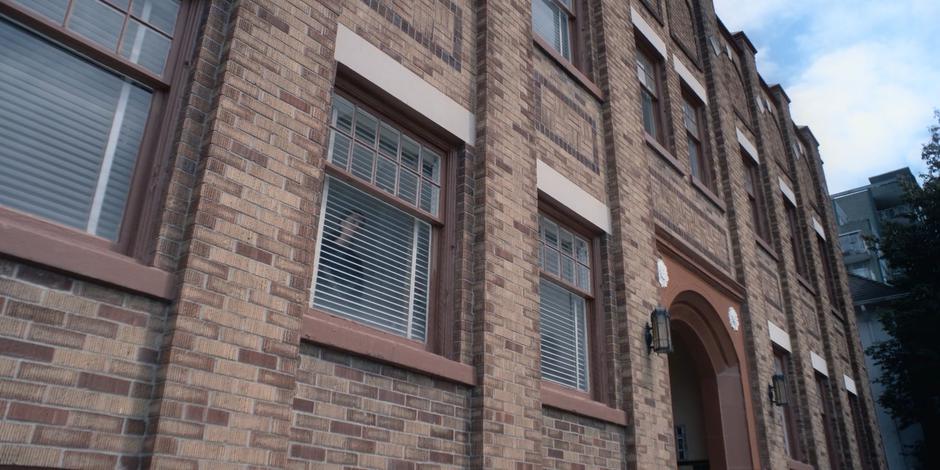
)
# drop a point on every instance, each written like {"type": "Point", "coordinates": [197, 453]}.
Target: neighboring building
{"type": "Point", "coordinates": [870, 299]}
{"type": "Point", "coordinates": [861, 214]}
{"type": "Point", "coordinates": [353, 234]}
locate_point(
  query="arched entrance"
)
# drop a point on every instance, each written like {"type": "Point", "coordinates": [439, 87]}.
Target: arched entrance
{"type": "Point", "coordinates": [708, 398]}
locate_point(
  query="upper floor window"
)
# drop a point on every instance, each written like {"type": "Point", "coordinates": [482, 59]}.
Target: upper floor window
{"type": "Point", "coordinates": [75, 111]}
{"type": "Point", "coordinates": [566, 289]}
{"type": "Point", "coordinates": [552, 20]}
{"type": "Point", "coordinates": [693, 119]}
{"type": "Point", "coordinates": [648, 69]}
{"type": "Point", "coordinates": [828, 272]}
{"type": "Point", "coordinates": [788, 420]}
{"type": "Point", "coordinates": [796, 241]}
{"type": "Point", "coordinates": [381, 206]}
{"type": "Point", "coordinates": [755, 199]}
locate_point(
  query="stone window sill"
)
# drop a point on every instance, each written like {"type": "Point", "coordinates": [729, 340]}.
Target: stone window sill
{"type": "Point", "coordinates": [65, 249]}
{"type": "Point", "coordinates": [579, 403]}
{"type": "Point", "coordinates": [347, 335]}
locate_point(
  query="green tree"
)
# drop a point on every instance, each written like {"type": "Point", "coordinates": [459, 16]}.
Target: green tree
{"type": "Point", "coordinates": [910, 360]}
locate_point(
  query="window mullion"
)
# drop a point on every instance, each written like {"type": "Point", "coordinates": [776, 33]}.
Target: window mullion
{"type": "Point", "coordinates": [411, 283]}
{"type": "Point", "coordinates": [104, 174]}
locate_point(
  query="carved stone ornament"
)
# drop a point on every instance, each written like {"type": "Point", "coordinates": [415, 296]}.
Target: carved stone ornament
{"type": "Point", "coordinates": [662, 274]}
{"type": "Point", "coordinates": [733, 319]}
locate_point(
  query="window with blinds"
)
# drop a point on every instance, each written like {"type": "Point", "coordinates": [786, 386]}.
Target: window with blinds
{"type": "Point", "coordinates": [648, 75]}
{"type": "Point", "coordinates": [71, 133]}
{"type": "Point", "coordinates": [551, 20]}
{"type": "Point", "coordinates": [374, 260]}
{"type": "Point", "coordinates": [72, 128]}
{"type": "Point", "coordinates": [565, 293]}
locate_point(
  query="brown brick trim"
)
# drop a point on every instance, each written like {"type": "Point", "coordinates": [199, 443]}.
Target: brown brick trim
{"type": "Point", "coordinates": [540, 83]}
{"type": "Point", "coordinates": [49, 244]}
{"type": "Point", "coordinates": [339, 333]}
{"type": "Point", "coordinates": [556, 396]}
{"type": "Point", "coordinates": [426, 38]}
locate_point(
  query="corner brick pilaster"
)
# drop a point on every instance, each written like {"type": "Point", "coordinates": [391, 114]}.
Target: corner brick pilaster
{"type": "Point", "coordinates": [229, 364]}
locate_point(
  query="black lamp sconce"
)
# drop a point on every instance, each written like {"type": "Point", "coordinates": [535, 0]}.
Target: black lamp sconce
{"type": "Point", "coordinates": [658, 333]}
{"type": "Point", "coordinates": [777, 390]}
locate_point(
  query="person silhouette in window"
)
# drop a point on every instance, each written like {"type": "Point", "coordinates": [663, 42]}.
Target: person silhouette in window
{"type": "Point", "coordinates": [341, 266]}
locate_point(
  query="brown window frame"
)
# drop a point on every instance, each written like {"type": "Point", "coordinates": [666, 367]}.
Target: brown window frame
{"type": "Point", "coordinates": [700, 141]}
{"type": "Point", "coordinates": [783, 365]}
{"type": "Point", "coordinates": [797, 247]}
{"type": "Point", "coordinates": [437, 353]}
{"type": "Point", "coordinates": [756, 200]}
{"type": "Point", "coordinates": [595, 401]}
{"type": "Point", "coordinates": [862, 433]}
{"type": "Point", "coordinates": [124, 261]}
{"type": "Point", "coordinates": [826, 413]}
{"type": "Point", "coordinates": [828, 273]}
{"type": "Point", "coordinates": [649, 54]}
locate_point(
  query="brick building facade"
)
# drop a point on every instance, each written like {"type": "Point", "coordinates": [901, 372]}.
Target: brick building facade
{"type": "Point", "coordinates": [619, 156]}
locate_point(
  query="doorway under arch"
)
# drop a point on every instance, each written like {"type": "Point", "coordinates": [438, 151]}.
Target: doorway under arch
{"type": "Point", "coordinates": [708, 395]}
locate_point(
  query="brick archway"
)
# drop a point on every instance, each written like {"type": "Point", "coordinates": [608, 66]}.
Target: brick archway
{"type": "Point", "coordinates": [697, 327]}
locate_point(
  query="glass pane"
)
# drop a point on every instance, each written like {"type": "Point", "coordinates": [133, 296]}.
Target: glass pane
{"type": "Point", "coordinates": [430, 165]}
{"type": "Point", "coordinates": [584, 277]}
{"type": "Point", "coordinates": [63, 119]}
{"type": "Point", "coordinates": [342, 114]}
{"type": "Point", "coordinates": [52, 9]}
{"type": "Point", "coordinates": [388, 141]}
{"type": "Point", "coordinates": [365, 127]}
{"type": "Point", "coordinates": [581, 250]}
{"type": "Point", "coordinates": [409, 153]}
{"type": "Point", "coordinates": [97, 21]}
{"type": "Point", "coordinates": [649, 114]}
{"type": "Point", "coordinates": [430, 195]}
{"type": "Point", "coordinates": [143, 45]}
{"type": "Point", "coordinates": [362, 160]}
{"type": "Point", "coordinates": [550, 258]}
{"type": "Point", "coordinates": [339, 149]}
{"type": "Point", "coordinates": [407, 186]}
{"type": "Point", "coordinates": [373, 263]}
{"type": "Point", "coordinates": [550, 232]}
{"type": "Point", "coordinates": [695, 159]}
{"type": "Point", "coordinates": [159, 13]}
{"type": "Point", "coordinates": [567, 270]}
{"type": "Point", "coordinates": [385, 174]}
{"type": "Point", "coordinates": [566, 241]}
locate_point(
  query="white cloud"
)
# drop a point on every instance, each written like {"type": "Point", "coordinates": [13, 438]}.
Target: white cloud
{"type": "Point", "coordinates": [862, 75]}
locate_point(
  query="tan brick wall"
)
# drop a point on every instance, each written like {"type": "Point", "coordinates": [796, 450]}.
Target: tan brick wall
{"type": "Point", "coordinates": [77, 369]}
{"type": "Point", "coordinates": [354, 412]}
{"type": "Point", "coordinates": [575, 443]}
{"type": "Point", "coordinates": [236, 386]}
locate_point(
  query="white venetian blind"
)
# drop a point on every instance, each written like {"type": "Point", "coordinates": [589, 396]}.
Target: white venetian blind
{"type": "Point", "coordinates": [564, 346]}
{"type": "Point", "coordinates": [551, 23]}
{"type": "Point", "coordinates": [373, 263]}
{"type": "Point", "coordinates": [70, 133]}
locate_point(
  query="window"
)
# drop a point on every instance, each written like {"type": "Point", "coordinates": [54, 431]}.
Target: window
{"type": "Point", "coordinates": [825, 413]}
{"type": "Point", "coordinates": [828, 272]}
{"type": "Point", "coordinates": [755, 199]}
{"type": "Point", "coordinates": [566, 289]}
{"type": "Point", "coordinates": [381, 203]}
{"type": "Point", "coordinates": [796, 241]}
{"type": "Point", "coordinates": [693, 119]}
{"type": "Point", "coordinates": [648, 72]}
{"type": "Point", "coordinates": [75, 111]}
{"type": "Point", "coordinates": [862, 433]}
{"type": "Point", "coordinates": [552, 20]}
{"type": "Point", "coordinates": [788, 421]}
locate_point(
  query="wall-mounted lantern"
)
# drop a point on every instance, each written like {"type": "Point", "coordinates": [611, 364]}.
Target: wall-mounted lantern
{"type": "Point", "coordinates": [777, 390]}
{"type": "Point", "coordinates": [658, 333]}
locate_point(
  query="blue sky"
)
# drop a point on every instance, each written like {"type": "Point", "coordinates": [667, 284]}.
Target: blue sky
{"type": "Point", "coordinates": [864, 75]}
